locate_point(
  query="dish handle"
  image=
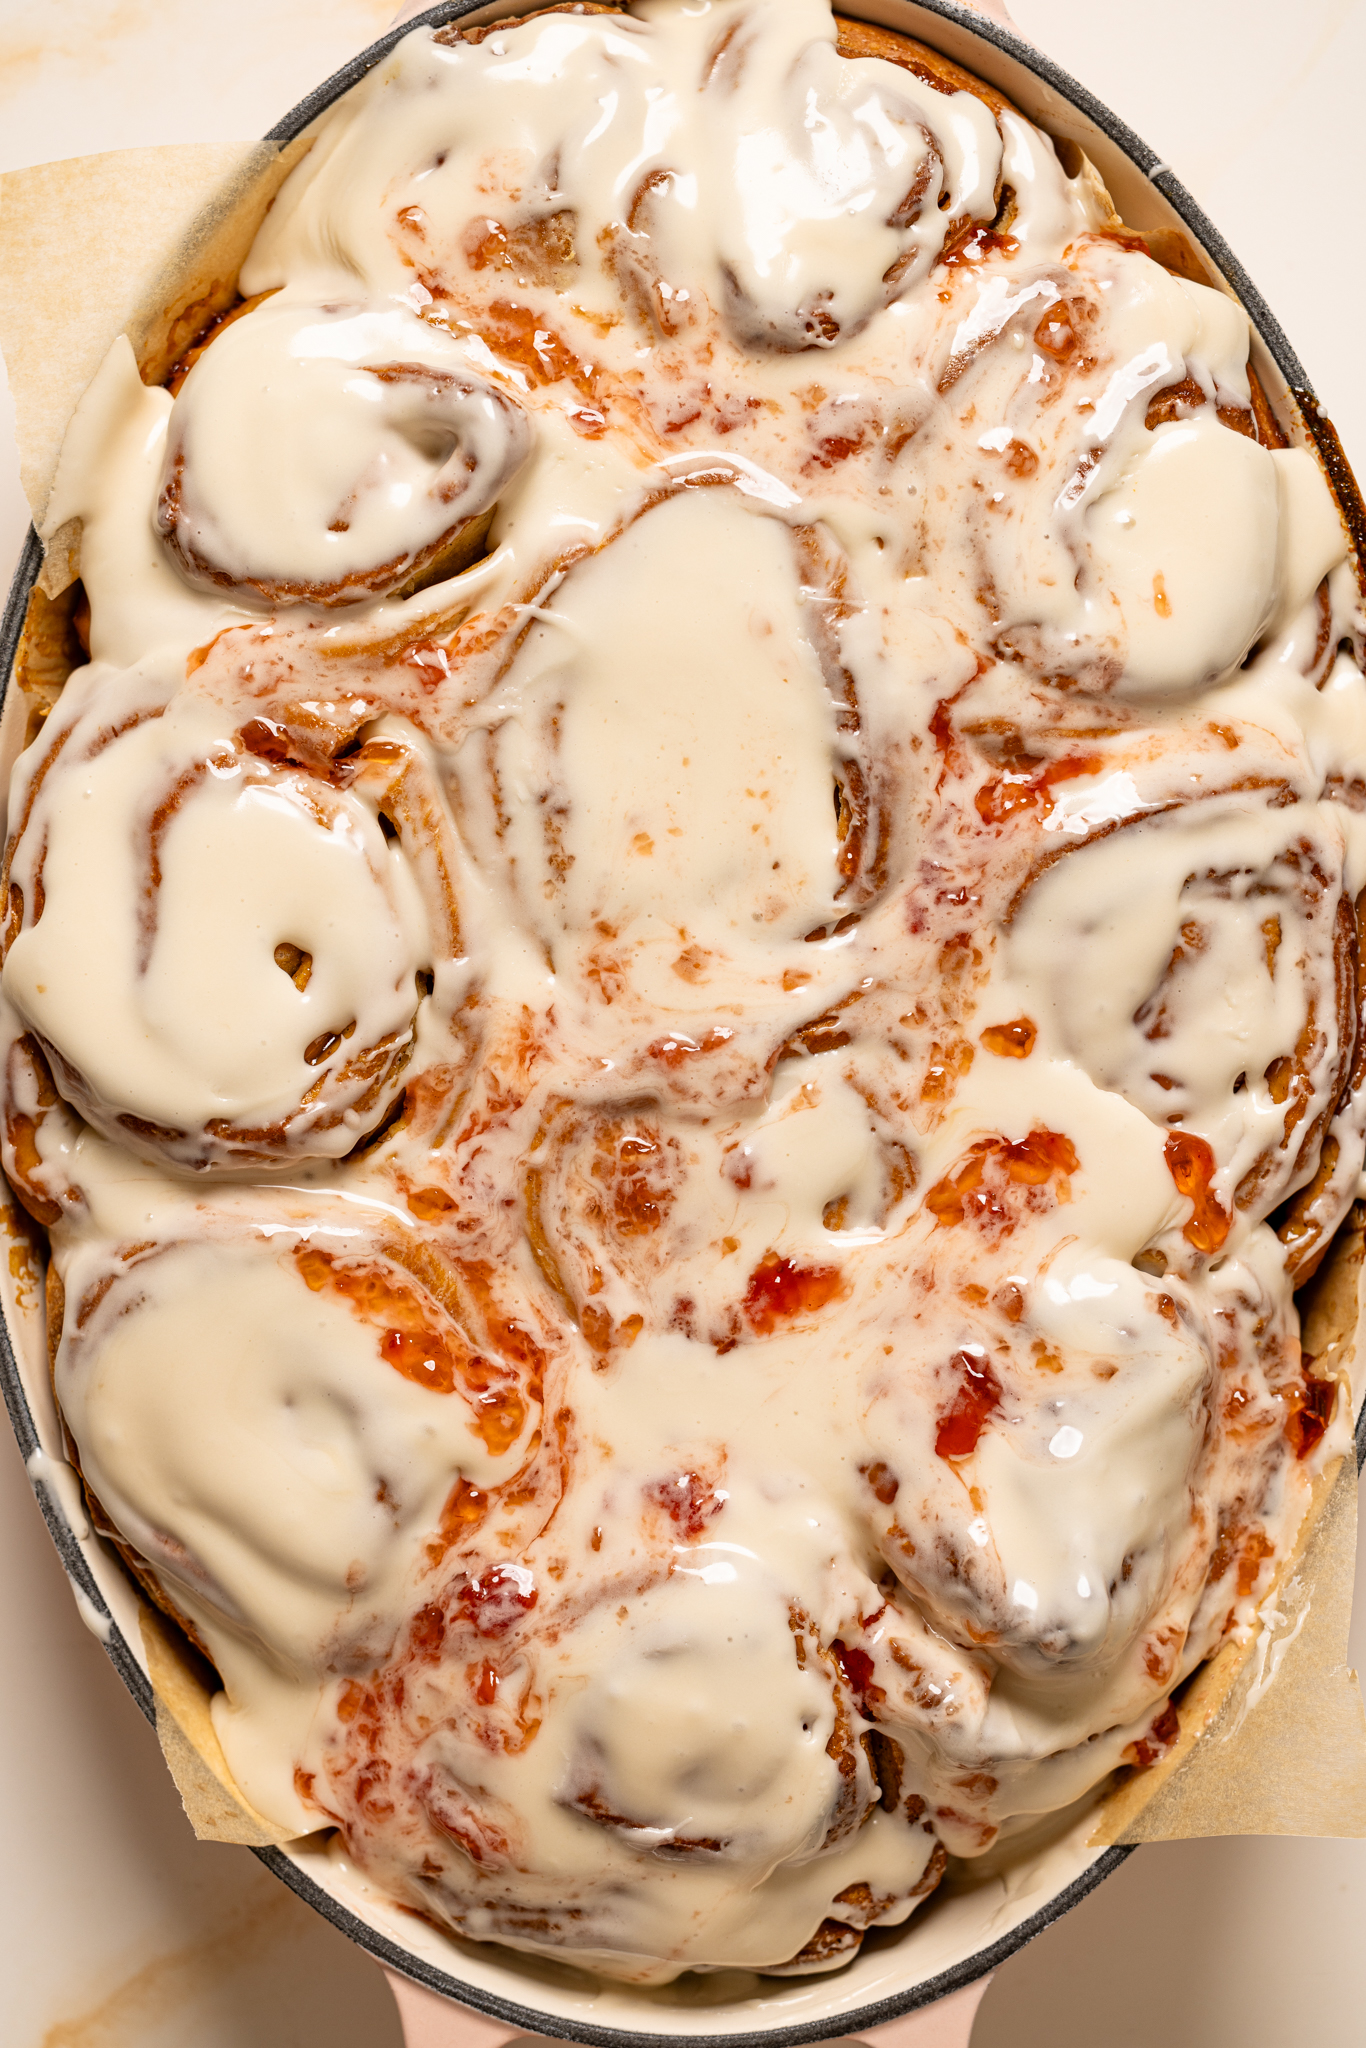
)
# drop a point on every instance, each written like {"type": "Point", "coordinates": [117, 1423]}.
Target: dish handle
{"type": "Point", "coordinates": [432, 2022]}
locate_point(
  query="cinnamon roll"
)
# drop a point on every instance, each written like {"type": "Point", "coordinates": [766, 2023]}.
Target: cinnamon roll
{"type": "Point", "coordinates": [328, 454]}
{"type": "Point", "coordinates": [240, 982]}
{"type": "Point", "coordinates": [309, 1406]}
{"type": "Point", "coordinates": [1228, 1012]}
{"type": "Point", "coordinates": [811, 997]}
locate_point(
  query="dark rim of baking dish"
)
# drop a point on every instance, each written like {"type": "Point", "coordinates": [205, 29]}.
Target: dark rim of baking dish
{"type": "Point", "coordinates": [528, 2019]}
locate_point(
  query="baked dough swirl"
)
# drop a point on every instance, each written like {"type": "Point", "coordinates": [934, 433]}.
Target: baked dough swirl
{"type": "Point", "coordinates": [326, 454]}
{"type": "Point", "coordinates": [771, 1051]}
{"type": "Point", "coordinates": [240, 984]}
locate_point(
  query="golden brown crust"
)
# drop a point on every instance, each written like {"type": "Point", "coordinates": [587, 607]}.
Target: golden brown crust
{"type": "Point", "coordinates": [862, 39]}
{"type": "Point", "coordinates": [133, 1562]}
{"type": "Point", "coordinates": [213, 323]}
{"type": "Point", "coordinates": [188, 327]}
{"type": "Point", "coordinates": [462, 544]}
{"type": "Point", "coordinates": [55, 640]}
{"type": "Point", "coordinates": [856, 39]}
{"type": "Point", "coordinates": [138, 1570]}
{"type": "Point", "coordinates": [1270, 432]}
{"type": "Point", "coordinates": [453, 33]}
{"type": "Point", "coordinates": [834, 1941]}
{"type": "Point", "coordinates": [143, 1579]}
{"type": "Point", "coordinates": [54, 1303]}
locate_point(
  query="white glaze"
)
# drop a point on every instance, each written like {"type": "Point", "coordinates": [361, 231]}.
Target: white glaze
{"type": "Point", "coordinates": [380, 442]}
{"type": "Point", "coordinates": [167, 886]}
{"type": "Point", "coordinates": [718, 1198]}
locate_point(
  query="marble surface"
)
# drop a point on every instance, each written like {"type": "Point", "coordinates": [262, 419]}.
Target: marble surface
{"type": "Point", "coordinates": [117, 1929]}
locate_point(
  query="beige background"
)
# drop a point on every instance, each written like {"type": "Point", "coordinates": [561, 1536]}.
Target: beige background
{"type": "Point", "coordinates": [117, 1929]}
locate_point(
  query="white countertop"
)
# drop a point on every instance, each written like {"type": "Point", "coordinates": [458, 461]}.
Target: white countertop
{"type": "Point", "coordinates": [118, 1929]}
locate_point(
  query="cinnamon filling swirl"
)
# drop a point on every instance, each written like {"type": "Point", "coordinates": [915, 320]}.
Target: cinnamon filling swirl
{"type": "Point", "coordinates": [327, 454]}
{"type": "Point", "coordinates": [240, 983]}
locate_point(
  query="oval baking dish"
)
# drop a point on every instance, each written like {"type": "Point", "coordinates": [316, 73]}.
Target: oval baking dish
{"type": "Point", "coordinates": [969, 1929]}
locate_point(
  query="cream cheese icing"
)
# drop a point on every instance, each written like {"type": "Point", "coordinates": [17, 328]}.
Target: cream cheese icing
{"type": "Point", "coordinates": [677, 1155]}
{"type": "Point", "coordinates": [383, 450]}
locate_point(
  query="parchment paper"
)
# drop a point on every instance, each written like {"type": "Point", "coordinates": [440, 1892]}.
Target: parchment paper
{"type": "Point", "coordinates": [1284, 1752]}
{"type": "Point", "coordinates": [184, 1686]}
{"type": "Point", "coordinates": [148, 242]}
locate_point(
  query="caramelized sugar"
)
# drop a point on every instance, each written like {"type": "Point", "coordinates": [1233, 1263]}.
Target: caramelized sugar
{"type": "Point", "coordinates": [1190, 1162]}
{"type": "Point", "coordinates": [780, 1288]}
{"type": "Point", "coordinates": [977, 1397]}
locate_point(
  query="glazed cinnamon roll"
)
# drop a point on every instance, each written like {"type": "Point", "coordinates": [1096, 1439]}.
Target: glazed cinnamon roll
{"type": "Point", "coordinates": [240, 983]}
{"type": "Point", "coordinates": [328, 454]}
{"type": "Point", "coordinates": [1228, 1012]}
{"type": "Point", "coordinates": [279, 1367]}
{"type": "Point", "coordinates": [799, 229]}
